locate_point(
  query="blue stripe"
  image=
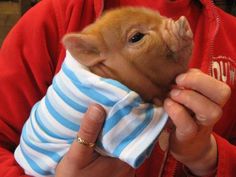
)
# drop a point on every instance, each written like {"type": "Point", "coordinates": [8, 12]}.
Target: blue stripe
{"type": "Point", "coordinates": [116, 84]}
{"type": "Point", "coordinates": [59, 118]}
{"type": "Point", "coordinates": [143, 156]}
{"type": "Point", "coordinates": [34, 165]}
{"type": "Point", "coordinates": [140, 159]}
{"type": "Point", "coordinates": [36, 133]}
{"type": "Point", "coordinates": [52, 155]}
{"type": "Point", "coordinates": [42, 139]}
{"type": "Point", "coordinates": [89, 91]}
{"type": "Point", "coordinates": [67, 100]}
{"type": "Point", "coordinates": [117, 116]}
{"type": "Point", "coordinates": [137, 131]}
{"type": "Point", "coordinates": [44, 128]}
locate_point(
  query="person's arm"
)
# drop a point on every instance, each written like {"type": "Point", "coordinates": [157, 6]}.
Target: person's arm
{"type": "Point", "coordinates": [27, 66]}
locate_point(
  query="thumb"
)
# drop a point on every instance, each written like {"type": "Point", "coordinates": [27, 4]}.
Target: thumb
{"type": "Point", "coordinates": [79, 154]}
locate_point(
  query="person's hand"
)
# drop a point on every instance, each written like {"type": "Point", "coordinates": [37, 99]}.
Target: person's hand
{"type": "Point", "coordinates": [194, 107]}
{"type": "Point", "coordinates": [82, 160]}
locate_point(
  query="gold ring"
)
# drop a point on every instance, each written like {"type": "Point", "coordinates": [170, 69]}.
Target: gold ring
{"type": "Point", "coordinates": [82, 141]}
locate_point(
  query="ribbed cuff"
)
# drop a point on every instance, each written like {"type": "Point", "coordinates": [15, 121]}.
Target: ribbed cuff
{"type": "Point", "coordinates": [188, 173]}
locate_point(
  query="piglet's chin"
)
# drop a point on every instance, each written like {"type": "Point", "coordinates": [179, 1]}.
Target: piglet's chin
{"type": "Point", "coordinates": [156, 97]}
{"type": "Point", "coordinates": [158, 102]}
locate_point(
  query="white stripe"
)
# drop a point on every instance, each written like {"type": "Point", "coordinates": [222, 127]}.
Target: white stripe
{"type": "Point", "coordinates": [94, 81]}
{"type": "Point", "coordinates": [62, 107]}
{"type": "Point", "coordinates": [29, 128]}
{"type": "Point", "coordinates": [100, 86]}
{"type": "Point", "coordinates": [49, 120]}
{"type": "Point", "coordinates": [141, 143]}
{"type": "Point", "coordinates": [112, 92]}
{"type": "Point", "coordinates": [40, 131]}
{"type": "Point", "coordinates": [75, 65]}
{"type": "Point", "coordinates": [21, 160]}
{"type": "Point", "coordinates": [43, 161]}
{"type": "Point", "coordinates": [72, 92]}
{"type": "Point", "coordinates": [110, 141]}
{"type": "Point", "coordinates": [122, 129]}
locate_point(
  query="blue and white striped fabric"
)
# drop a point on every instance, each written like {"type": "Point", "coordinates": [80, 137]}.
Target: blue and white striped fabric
{"type": "Point", "coordinates": [129, 132]}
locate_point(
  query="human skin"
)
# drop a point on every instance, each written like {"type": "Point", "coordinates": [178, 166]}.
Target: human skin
{"type": "Point", "coordinates": [82, 161]}
{"type": "Point", "coordinates": [191, 142]}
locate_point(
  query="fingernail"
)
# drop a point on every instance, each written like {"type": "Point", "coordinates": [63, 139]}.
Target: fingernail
{"type": "Point", "coordinates": [201, 117]}
{"type": "Point", "coordinates": [180, 78]}
{"type": "Point", "coordinates": [95, 113]}
{"type": "Point", "coordinates": [174, 92]}
{"type": "Point", "coordinates": [168, 102]}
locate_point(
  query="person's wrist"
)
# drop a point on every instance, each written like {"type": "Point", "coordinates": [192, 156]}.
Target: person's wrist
{"type": "Point", "coordinates": [206, 164]}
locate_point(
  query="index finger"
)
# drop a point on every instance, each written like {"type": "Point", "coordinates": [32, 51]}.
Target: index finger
{"type": "Point", "coordinates": [219, 92]}
{"type": "Point", "coordinates": [89, 130]}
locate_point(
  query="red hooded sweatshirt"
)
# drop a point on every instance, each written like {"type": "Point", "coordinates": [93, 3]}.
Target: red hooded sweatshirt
{"type": "Point", "coordinates": [32, 54]}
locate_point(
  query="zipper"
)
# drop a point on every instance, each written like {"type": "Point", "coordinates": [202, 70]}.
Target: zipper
{"type": "Point", "coordinates": [168, 130]}
{"type": "Point", "coordinates": [212, 40]}
{"type": "Point", "coordinates": [164, 161]}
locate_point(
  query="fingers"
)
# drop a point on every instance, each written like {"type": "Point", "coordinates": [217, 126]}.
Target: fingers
{"type": "Point", "coordinates": [186, 127]}
{"type": "Point", "coordinates": [205, 98]}
{"type": "Point", "coordinates": [198, 104]}
{"type": "Point", "coordinates": [89, 130]}
{"type": "Point", "coordinates": [194, 79]}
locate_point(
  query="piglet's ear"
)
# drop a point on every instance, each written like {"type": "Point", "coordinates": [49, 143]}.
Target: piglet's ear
{"type": "Point", "coordinates": [84, 48]}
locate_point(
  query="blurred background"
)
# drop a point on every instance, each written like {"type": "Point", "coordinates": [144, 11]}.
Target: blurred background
{"type": "Point", "coordinates": [12, 10]}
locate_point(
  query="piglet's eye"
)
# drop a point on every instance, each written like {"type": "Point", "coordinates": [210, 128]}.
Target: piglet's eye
{"type": "Point", "coordinates": [136, 37]}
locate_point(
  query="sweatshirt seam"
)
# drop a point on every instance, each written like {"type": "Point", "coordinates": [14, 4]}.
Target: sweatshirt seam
{"type": "Point", "coordinates": [57, 9]}
{"type": "Point", "coordinates": [221, 157]}
{"type": "Point", "coordinates": [213, 37]}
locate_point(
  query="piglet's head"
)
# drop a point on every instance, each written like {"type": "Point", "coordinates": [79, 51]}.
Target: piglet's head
{"type": "Point", "coordinates": [136, 46]}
